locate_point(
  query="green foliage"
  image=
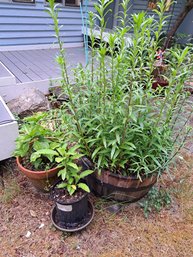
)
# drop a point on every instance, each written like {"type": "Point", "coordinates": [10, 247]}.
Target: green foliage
{"type": "Point", "coordinates": [119, 121]}
{"type": "Point", "coordinates": [37, 142]}
{"type": "Point", "coordinates": [70, 172]}
{"type": "Point", "coordinates": [42, 143]}
{"type": "Point", "coordinates": [155, 201]}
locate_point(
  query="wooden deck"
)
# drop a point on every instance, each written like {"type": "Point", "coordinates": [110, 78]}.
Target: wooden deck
{"type": "Point", "coordinates": [33, 65]}
{"type": "Point", "coordinates": [34, 68]}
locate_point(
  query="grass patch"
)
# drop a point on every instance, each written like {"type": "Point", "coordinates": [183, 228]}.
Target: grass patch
{"type": "Point", "coordinates": [9, 192]}
{"type": "Point", "coordinates": [156, 199]}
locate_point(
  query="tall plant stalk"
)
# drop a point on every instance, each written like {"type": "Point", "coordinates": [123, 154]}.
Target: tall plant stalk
{"type": "Point", "coordinates": [121, 123]}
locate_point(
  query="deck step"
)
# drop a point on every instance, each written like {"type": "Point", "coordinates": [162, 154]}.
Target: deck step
{"type": "Point", "coordinates": [8, 131]}
{"type": "Point", "coordinates": [6, 77]}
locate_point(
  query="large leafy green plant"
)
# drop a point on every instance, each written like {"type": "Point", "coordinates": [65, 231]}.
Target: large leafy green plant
{"type": "Point", "coordinates": [120, 122]}
{"type": "Point", "coordinates": [37, 142]}
{"type": "Point", "coordinates": [41, 146]}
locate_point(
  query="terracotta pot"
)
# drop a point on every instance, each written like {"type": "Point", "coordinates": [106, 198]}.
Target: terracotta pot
{"type": "Point", "coordinates": [41, 180]}
{"type": "Point", "coordinates": [120, 188]}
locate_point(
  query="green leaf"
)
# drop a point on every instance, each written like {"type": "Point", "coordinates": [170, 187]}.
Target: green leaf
{"type": "Point", "coordinates": [62, 185]}
{"type": "Point", "coordinates": [62, 173]}
{"type": "Point", "coordinates": [113, 129]}
{"type": "Point", "coordinates": [70, 189]}
{"type": "Point", "coordinates": [99, 160]}
{"type": "Point", "coordinates": [47, 152]}
{"type": "Point", "coordinates": [59, 159]}
{"type": "Point", "coordinates": [84, 187]}
{"type": "Point", "coordinates": [70, 181]}
{"type": "Point", "coordinates": [117, 137]}
{"type": "Point", "coordinates": [62, 150]}
{"type": "Point", "coordinates": [113, 151]}
{"type": "Point", "coordinates": [34, 156]}
{"type": "Point", "coordinates": [73, 149]}
{"type": "Point", "coordinates": [38, 145]}
{"type": "Point", "coordinates": [96, 151]}
{"type": "Point", "coordinates": [85, 173]}
{"type": "Point", "coordinates": [73, 165]}
{"type": "Point", "coordinates": [73, 187]}
{"type": "Point", "coordinates": [104, 142]}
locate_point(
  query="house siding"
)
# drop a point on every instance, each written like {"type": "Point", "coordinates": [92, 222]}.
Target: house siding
{"type": "Point", "coordinates": [187, 27]}
{"type": "Point", "coordinates": [29, 24]}
{"type": "Point", "coordinates": [142, 5]}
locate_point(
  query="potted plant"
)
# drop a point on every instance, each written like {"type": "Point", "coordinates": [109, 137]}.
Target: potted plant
{"type": "Point", "coordinates": [124, 129]}
{"type": "Point", "coordinates": [43, 155]}
{"type": "Point", "coordinates": [36, 150]}
{"type": "Point", "coordinates": [160, 70]}
{"type": "Point", "coordinates": [73, 210]}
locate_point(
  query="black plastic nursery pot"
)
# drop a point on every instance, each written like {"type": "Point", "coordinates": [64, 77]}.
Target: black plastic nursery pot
{"type": "Point", "coordinates": [72, 215]}
{"type": "Point", "coordinates": [159, 83]}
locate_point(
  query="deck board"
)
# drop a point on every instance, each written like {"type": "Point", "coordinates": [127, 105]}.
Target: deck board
{"type": "Point", "coordinates": [26, 69]}
{"type": "Point", "coordinates": [39, 64]}
{"type": "Point", "coordinates": [45, 62]}
{"type": "Point", "coordinates": [17, 72]}
{"type": "Point", "coordinates": [28, 61]}
{"type": "Point", "coordinates": [3, 72]}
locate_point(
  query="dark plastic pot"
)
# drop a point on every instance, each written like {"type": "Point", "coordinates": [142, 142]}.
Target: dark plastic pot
{"type": "Point", "coordinates": [71, 213]}
{"type": "Point", "coordinates": [41, 180]}
{"type": "Point", "coordinates": [120, 188]}
{"type": "Point", "coordinates": [159, 82]}
{"type": "Point", "coordinates": [81, 225]}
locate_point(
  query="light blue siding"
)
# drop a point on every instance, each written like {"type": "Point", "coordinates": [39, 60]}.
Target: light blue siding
{"type": "Point", "coordinates": [29, 24]}
{"type": "Point", "coordinates": [187, 27]}
{"type": "Point", "coordinates": [172, 14]}
{"type": "Point", "coordinates": [142, 5]}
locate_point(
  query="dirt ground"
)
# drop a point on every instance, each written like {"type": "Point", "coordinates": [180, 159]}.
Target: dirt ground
{"type": "Point", "coordinates": [26, 229]}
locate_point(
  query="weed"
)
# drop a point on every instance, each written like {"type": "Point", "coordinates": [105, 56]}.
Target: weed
{"type": "Point", "coordinates": [156, 199]}
{"type": "Point", "coordinates": [10, 192]}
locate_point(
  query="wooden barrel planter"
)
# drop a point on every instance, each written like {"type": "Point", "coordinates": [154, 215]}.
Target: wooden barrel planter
{"type": "Point", "coordinates": [120, 188]}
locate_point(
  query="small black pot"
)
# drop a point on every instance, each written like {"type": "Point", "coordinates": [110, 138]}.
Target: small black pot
{"type": "Point", "coordinates": [71, 213]}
